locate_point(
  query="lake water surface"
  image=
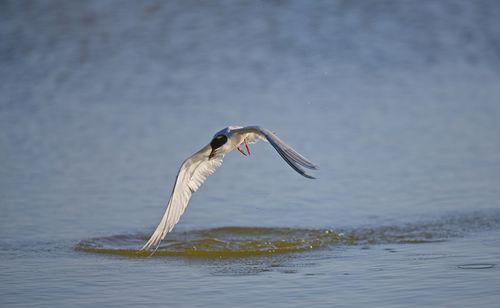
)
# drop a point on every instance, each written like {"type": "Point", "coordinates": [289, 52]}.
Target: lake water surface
{"type": "Point", "coordinates": [398, 103]}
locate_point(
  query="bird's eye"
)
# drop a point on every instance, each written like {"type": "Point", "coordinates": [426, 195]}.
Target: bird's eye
{"type": "Point", "coordinates": [218, 141]}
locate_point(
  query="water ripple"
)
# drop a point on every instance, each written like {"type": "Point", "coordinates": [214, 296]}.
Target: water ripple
{"type": "Point", "coordinates": [229, 242]}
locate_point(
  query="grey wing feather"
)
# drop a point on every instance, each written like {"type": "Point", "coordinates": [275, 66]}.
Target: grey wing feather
{"type": "Point", "coordinates": [193, 172]}
{"type": "Point", "coordinates": [294, 159]}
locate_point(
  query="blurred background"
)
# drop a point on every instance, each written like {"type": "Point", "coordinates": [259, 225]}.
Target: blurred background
{"type": "Point", "coordinates": [398, 102]}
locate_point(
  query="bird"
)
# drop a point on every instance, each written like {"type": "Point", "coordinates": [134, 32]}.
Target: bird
{"type": "Point", "coordinates": [195, 170]}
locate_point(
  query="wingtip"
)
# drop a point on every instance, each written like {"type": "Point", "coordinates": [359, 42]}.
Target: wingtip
{"type": "Point", "coordinates": [147, 248]}
{"type": "Point", "coordinates": [152, 244]}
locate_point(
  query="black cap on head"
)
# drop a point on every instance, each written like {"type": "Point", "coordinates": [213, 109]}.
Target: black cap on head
{"type": "Point", "coordinates": [218, 141]}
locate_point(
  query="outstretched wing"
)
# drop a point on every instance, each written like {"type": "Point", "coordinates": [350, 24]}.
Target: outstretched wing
{"type": "Point", "coordinates": [294, 159]}
{"type": "Point", "coordinates": [193, 172]}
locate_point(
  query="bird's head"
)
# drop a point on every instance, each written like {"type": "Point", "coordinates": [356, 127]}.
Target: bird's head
{"type": "Point", "coordinates": [219, 143]}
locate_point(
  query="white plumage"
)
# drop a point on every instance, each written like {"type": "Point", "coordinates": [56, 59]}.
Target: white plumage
{"type": "Point", "coordinates": [195, 170]}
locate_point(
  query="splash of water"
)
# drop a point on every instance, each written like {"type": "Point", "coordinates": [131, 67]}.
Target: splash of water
{"type": "Point", "coordinates": [229, 242]}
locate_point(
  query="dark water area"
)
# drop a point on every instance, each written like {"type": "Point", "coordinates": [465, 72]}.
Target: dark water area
{"type": "Point", "coordinates": [397, 102]}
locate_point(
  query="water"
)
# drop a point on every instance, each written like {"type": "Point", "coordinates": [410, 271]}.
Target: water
{"type": "Point", "coordinates": [398, 104]}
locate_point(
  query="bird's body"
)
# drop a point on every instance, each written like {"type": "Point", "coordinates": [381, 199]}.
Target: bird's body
{"type": "Point", "coordinates": [203, 163]}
